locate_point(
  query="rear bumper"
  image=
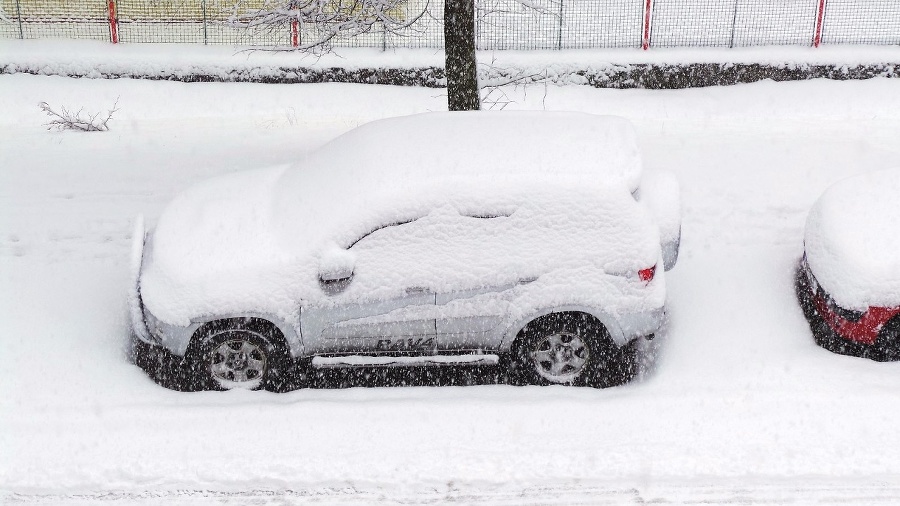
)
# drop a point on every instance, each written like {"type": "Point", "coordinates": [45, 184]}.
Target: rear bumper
{"type": "Point", "coordinates": [643, 324]}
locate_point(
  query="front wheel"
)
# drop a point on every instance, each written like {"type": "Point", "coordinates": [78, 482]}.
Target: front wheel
{"type": "Point", "coordinates": [240, 354]}
{"type": "Point", "coordinates": [570, 349]}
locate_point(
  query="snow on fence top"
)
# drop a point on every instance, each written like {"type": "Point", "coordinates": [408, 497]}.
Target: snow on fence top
{"type": "Point", "coordinates": [853, 240]}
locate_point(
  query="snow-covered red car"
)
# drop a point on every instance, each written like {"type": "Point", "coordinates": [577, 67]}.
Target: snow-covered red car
{"type": "Point", "coordinates": [531, 239]}
{"type": "Point", "coordinates": [848, 281]}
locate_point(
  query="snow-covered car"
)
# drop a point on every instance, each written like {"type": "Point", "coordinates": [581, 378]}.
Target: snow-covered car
{"type": "Point", "coordinates": [848, 282]}
{"type": "Point", "coordinates": [530, 239]}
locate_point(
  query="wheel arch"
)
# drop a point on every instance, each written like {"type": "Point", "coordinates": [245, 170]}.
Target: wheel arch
{"type": "Point", "coordinates": [605, 319]}
{"type": "Point", "coordinates": [282, 332]}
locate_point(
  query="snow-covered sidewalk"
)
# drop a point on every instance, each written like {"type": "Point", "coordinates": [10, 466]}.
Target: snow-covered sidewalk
{"type": "Point", "coordinates": [742, 403]}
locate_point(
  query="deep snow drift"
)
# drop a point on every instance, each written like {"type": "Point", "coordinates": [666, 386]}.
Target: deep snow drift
{"type": "Point", "coordinates": [742, 404]}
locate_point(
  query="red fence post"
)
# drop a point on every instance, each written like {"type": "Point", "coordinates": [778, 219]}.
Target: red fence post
{"type": "Point", "coordinates": [113, 22]}
{"type": "Point", "coordinates": [295, 33]}
{"type": "Point", "coordinates": [645, 38]}
{"type": "Point", "coordinates": [820, 20]}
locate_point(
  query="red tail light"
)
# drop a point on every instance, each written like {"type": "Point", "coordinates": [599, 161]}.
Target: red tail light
{"type": "Point", "coordinates": [647, 274]}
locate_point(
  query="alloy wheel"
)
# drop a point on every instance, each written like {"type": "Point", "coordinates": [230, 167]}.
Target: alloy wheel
{"type": "Point", "coordinates": [238, 363]}
{"type": "Point", "coordinates": [560, 357]}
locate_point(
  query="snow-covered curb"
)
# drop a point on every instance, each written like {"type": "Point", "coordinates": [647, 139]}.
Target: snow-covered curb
{"type": "Point", "coordinates": [621, 68]}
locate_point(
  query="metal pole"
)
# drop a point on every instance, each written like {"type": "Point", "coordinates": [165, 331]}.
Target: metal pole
{"type": "Point", "coordinates": [19, 16]}
{"type": "Point", "coordinates": [203, 7]}
{"type": "Point", "coordinates": [649, 5]}
{"type": "Point", "coordinates": [383, 37]}
{"type": "Point", "coordinates": [113, 22]}
{"type": "Point", "coordinates": [733, 23]}
{"type": "Point", "coordinates": [820, 23]}
{"type": "Point", "coordinates": [559, 33]}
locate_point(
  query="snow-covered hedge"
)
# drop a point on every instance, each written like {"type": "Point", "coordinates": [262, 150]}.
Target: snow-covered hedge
{"type": "Point", "coordinates": [639, 75]}
{"type": "Point", "coordinates": [656, 69]}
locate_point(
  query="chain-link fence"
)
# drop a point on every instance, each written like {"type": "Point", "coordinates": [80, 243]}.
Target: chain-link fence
{"type": "Point", "coordinates": [500, 24]}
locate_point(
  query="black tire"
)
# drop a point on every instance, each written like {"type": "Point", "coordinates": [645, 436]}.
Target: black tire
{"type": "Point", "coordinates": [247, 353]}
{"type": "Point", "coordinates": [567, 340]}
{"type": "Point", "coordinates": [888, 342]}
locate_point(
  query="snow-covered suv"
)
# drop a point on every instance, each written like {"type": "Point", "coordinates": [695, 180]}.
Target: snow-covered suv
{"type": "Point", "coordinates": [532, 239]}
{"type": "Point", "coordinates": [848, 281]}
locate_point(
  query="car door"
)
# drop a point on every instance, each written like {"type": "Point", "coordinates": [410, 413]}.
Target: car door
{"type": "Point", "coordinates": [471, 319]}
{"type": "Point", "coordinates": [473, 314]}
{"type": "Point", "coordinates": [384, 307]}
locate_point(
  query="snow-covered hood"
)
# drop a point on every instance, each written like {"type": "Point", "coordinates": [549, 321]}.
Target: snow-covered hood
{"type": "Point", "coordinates": [215, 247]}
{"type": "Point", "coordinates": [853, 240]}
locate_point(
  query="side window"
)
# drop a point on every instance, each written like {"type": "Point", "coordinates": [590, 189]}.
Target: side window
{"type": "Point", "coordinates": [377, 229]}
{"type": "Point", "coordinates": [395, 257]}
{"type": "Point", "coordinates": [446, 251]}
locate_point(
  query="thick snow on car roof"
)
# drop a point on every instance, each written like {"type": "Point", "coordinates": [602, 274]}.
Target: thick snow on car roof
{"type": "Point", "coordinates": [853, 240]}
{"type": "Point", "coordinates": [484, 142]}
{"type": "Point", "coordinates": [394, 159]}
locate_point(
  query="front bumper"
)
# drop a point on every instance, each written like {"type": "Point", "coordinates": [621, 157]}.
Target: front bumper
{"type": "Point", "coordinates": [859, 336]}
{"type": "Point", "coordinates": [173, 338]}
{"type": "Point", "coordinates": [164, 367]}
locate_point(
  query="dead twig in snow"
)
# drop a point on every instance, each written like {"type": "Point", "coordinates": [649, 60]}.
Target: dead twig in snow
{"type": "Point", "coordinates": [66, 120]}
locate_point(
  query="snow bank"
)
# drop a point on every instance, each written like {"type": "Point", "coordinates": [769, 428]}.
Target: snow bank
{"type": "Point", "coordinates": [853, 240]}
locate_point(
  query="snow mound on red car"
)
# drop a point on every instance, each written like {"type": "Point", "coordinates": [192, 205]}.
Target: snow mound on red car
{"type": "Point", "coordinates": [853, 240]}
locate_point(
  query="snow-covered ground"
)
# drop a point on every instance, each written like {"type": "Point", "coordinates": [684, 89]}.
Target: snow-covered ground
{"type": "Point", "coordinates": [742, 406]}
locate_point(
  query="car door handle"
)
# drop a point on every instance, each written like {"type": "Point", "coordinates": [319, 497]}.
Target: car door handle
{"type": "Point", "coordinates": [416, 289]}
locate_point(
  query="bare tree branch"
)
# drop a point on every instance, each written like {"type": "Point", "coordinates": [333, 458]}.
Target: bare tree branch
{"type": "Point", "coordinates": [542, 7]}
{"type": "Point", "coordinates": [321, 21]}
{"type": "Point", "coordinates": [494, 96]}
{"type": "Point", "coordinates": [329, 18]}
{"type": "Point", "coordinates": [66, 120]}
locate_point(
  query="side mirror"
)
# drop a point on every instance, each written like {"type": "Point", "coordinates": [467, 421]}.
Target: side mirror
{"type": "Point", "coordinates": [336, 269]}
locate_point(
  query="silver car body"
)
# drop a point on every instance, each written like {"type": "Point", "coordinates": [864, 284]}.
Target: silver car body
{"type": "Point", "coordinates": [421, 314]}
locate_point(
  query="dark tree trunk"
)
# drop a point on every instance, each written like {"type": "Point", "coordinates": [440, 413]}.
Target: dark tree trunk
{"type": "Point", "coordinates": [459, 44]}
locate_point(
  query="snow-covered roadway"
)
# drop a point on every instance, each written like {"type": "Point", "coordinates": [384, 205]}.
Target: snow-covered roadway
{"type": "Point", "coordinates": [741, 407]}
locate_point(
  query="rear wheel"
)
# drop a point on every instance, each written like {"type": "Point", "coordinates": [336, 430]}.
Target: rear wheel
{"type": "Point", "coordinates": [570, 349]}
